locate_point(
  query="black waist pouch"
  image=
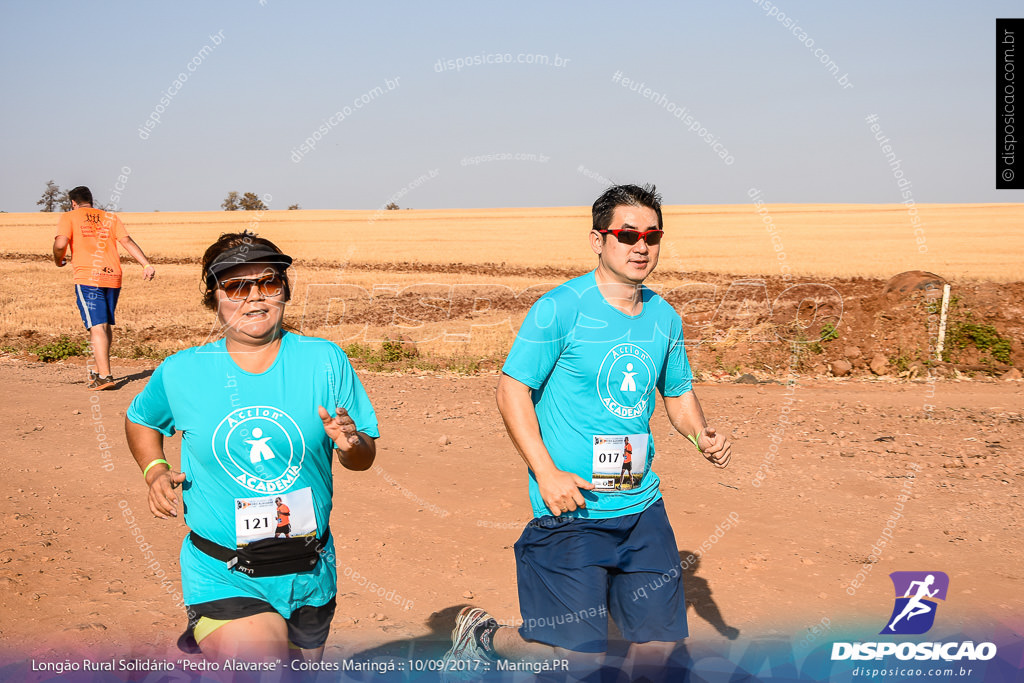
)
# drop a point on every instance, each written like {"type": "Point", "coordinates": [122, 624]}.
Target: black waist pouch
{"type": "Point", "coordinates": [267, 557]}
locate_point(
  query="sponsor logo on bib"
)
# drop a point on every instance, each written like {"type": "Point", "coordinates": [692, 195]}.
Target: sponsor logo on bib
{"type": "Point", "coordinates": [260, 447]}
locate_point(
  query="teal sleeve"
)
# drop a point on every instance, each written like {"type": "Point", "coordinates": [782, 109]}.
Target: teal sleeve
{"type": "Point", "coordinates": [676, 377]}
{"type": "Point", "coordinates": [151, 408]}
{"type": "Point", "coordinates": [350, 395]}
{"type": "Point", "coordinates": [540, 341]}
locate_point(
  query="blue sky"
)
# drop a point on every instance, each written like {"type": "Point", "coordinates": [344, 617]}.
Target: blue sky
{"type": "Point", "coordinates": [81, 79]}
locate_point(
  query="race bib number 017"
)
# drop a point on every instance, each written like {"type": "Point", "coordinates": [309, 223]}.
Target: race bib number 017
{"type": "Point", "coordinates": [287, 515]}
{"type": "Point", "coordinates": [619, 461]}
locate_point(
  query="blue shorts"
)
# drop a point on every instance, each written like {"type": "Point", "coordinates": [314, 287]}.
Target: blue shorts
{"type": "Point", "coordinates": [573, 571]}
{"type": "Point", "coordinates": [96, 304]}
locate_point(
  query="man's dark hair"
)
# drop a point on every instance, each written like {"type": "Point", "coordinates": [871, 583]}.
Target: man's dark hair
{"type": "Point", "coordinates": [624, 195]}
{"type": "Point", "coordinates": [226, 241]}
{"type": "Point", "coordinates": [81, 195]}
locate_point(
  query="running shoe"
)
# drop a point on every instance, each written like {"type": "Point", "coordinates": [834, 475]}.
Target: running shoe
{"type": "Point", "coordinates": [467, 660]}
{"type": "Point", "coordinates": [98, 383]}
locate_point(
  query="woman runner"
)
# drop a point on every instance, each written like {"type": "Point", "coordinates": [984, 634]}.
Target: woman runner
{"type": "Point", "coordinates": [262, 413]}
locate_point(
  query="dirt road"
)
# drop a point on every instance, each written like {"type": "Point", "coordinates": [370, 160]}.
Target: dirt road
{"type": "Point", "coordinates": [431, 526]}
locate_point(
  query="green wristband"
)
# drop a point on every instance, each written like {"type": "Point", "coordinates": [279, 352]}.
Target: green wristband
{"type": "Point", "coordinates": [150, 465]}
{"type": "Point", "coordinates": [693, 439]}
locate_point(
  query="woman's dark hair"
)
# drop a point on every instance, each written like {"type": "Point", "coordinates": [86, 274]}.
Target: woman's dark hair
{"type": "Point", "coordinates": [230, 240]}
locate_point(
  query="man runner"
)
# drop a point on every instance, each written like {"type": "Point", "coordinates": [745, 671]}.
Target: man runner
{"type": "Point", "coordinates": [284, 515]}
{"type": "Point", "coordinates": [581, 374]}
{"type": "Point", "coordinates": [92, 235]}
{"type": "Point", "coordinates": [627, 463]}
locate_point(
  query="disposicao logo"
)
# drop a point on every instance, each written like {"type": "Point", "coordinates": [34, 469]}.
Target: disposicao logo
{"type": "Point", "coordinates": [913, 614]}
{"type": "Point", "coordinates": [916, 593]}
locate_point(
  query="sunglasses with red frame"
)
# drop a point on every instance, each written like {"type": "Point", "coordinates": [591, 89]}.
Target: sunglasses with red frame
{"type": "Point", "coordinates": [629, 237]}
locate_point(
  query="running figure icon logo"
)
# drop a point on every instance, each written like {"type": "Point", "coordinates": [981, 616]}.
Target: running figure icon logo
{"type": "Point", "coordinates": [914, 610]}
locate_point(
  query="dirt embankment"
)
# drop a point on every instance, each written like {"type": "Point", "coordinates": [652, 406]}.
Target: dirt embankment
{"type": "Point", "coordinates": [765, 325]}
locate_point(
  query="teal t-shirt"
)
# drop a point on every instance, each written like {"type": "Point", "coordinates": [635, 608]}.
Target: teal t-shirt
{"type": "Point", "coordinates": [256, 457]}
{"type": "Point", "coordinates": [593, 370]}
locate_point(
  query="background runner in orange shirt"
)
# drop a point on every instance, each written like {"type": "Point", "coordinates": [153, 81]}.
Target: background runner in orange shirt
{"type": "Point", "coordinates": [92, 236]}
{"type": "Point", "coordinates": [627, 464]}
{"type": "Point", "coordinates": [284, 516]}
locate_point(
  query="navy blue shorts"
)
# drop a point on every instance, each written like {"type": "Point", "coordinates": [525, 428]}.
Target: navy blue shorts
{"type": "Point", "coordinates": [572, 572]}
{"type": "Point", "coordinates": [96, 304]}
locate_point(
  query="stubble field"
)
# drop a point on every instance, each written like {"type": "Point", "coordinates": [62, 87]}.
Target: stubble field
{"type": "Point", "coordinates": [457, 283]}
{"type": "Point", "coordinates": [432, 524]}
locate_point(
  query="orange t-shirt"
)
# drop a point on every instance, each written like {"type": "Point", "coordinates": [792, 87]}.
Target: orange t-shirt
{"type": "Point", "coordinates": [93, 236]}
{"type": "Point", "coordinates": [283, 515]}
{"type": "Point", "coordinates": [627, 453]}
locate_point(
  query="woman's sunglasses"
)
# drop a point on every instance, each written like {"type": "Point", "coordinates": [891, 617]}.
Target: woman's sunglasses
{"type": "Point", "coordinates": [238, 289]}
{"type": "Point", "coordinates": [631, 237]}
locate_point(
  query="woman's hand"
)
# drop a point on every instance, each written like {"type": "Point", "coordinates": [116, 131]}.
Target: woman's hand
{"type": "Point", "coordinates": [356, 450]}
{"type": "Point", "coordinates": [163, 501]}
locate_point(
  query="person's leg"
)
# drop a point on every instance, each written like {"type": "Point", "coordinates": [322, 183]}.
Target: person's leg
{"type": "Point", "coordinates": [308, 628]}
{"type": "Point", "coordinates": [110, 345]}
{"type": "Point", "coordinates": [646, 599]}
{"type": "Point", "coordinates": [110, 297]}
{"type": "Point", "coordinates": [92, 307]}
{"type": "Point", "coordinates": [511, 645]}
{"type": "Point", "coordinates": [97, 305]}
{"type": "Point", "coordinates": [563, 584]}
{"type": "Point", "coordinates": [648, 660]}
{"type": "Point", "coordinates": [478, 640]}
{"type": "Point", "coordinates": [99, 337]}
{"type": "Point", "coordinates": [307, 654]}
{"type": "Point", "coordinates": [260, 637]}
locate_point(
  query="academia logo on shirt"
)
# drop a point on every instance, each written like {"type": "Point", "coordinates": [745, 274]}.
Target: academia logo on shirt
{"type": "Point", "coordinates": [626, 380]}
{"type": "Point", "coordinates": [260, 447]}
{"type": "Point", "coordinates": [914, 610]}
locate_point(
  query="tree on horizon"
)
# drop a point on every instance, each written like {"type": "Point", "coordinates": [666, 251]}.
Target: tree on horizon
{"type": "Point", "coordinates": [52, 198]}
{"type": "Point", "coordinates": [231, 203]}
{"type": "Point", "coordinates": [250, 202]}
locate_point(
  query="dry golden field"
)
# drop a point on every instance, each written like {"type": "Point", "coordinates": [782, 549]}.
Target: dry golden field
{"type": "Point", "coordinates": [457, 282]}
{"type": "Point", "coordinates": [964, 241]}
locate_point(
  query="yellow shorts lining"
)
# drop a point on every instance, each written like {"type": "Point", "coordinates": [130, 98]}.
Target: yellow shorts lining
{"type": "Point", "coordinates": [205, 626]}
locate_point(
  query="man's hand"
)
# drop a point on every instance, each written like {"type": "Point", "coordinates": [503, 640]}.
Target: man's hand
{"type": "Point", "coordinates": [340, 428]}
{"type": "Point", "coordinates": [715, 447]}
{"type": "Point", "coordinates": [149, 272]}
{"type": "Point", "coordinates": [561, 491]}
{"type": "Point", "coordinates": [162, 499]}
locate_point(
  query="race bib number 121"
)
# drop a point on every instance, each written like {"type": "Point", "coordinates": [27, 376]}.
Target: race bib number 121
{"type": "Point", "coordinates": [286, 515]}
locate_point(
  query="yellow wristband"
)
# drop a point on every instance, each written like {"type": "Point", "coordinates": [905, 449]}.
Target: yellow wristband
{"type": "Point", "coordinates": [150, 465]}
{"type": "Point", "coordinates": [694, 440]}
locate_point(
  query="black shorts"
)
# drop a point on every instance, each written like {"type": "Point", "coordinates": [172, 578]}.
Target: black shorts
{"type": "Point", "coordinates": [627, 467]}
{"type": "Point", "coordinates": [286, 529]}
{"type": "Point", "coordinates": [308, 626]}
